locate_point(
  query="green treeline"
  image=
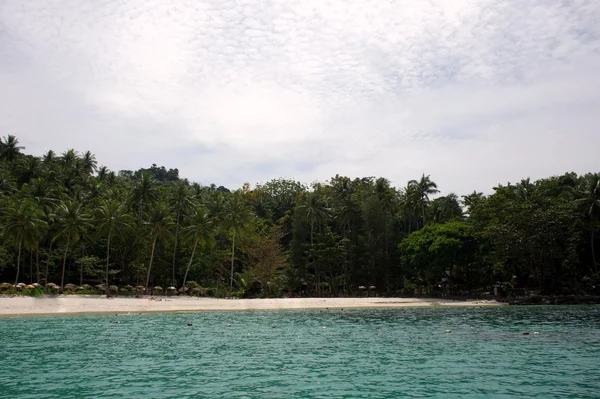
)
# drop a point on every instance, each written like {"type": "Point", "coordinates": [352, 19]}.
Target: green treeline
{"type": "Point", "coordinates": [65, 220]}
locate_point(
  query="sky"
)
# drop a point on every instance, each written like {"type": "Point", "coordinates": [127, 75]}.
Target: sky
{"type": "Point", "coordinates": [471, 92]}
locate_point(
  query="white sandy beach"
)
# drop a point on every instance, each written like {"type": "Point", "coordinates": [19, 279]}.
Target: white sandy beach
{"type": "Point", "coordinates": [72, 304]}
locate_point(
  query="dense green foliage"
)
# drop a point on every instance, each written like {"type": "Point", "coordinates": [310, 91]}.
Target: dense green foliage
{"type": "Point", "coordinates": [64, 219]}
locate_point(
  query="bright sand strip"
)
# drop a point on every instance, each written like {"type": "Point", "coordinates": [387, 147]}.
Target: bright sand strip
{"type": "Point", "coordinates": [74, 304]}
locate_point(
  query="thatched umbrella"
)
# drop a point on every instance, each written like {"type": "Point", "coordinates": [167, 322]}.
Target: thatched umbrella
{"type": "Point", "coordinates": [171, 290]}
{"type": "Point", "coordinates": [5, 286]}
{"type": "Point", "coordinates": [100, 287]}
{"type": "Point", "coordinates": [157, 289]}
{"type": "Point", "coordinates": [183, 290]}
{"type": "Point", "coordinates": [36, 285]}
{"type": "Point", "coordinates": [123, 289]}
{"type": "Point", "coordinates": [113, 288]}
{"type": "Point", "coordinates": [70, 286]}
{"type": "Point", "coordinates": [128, 287]}
{"type": "Point", "coordinates": [372, 287]}
{"type": "Point", "coordinates": [51, 286]}
{"type": "Point", "coordinates": [86, 287]}
{"type": "Point", "coordinates": [29, 287]}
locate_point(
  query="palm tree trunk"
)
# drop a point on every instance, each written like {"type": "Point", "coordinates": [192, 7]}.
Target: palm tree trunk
{"type": "Point", "coordinates": [187, 269]}
{"type": "Point", "coordinates": [593, 252]}
{"type": "Point", "coordinates": [232, 259]}
{"type": "Point", "coordinates": [62, 276]}
{"type": "Point", "coordinates": [423, 212]}
{"type": "Point", "coordinates": [107, 261]}
{"type": "Point", "coordinates": [48, 264]}
{"type": "Point", "coordinates": [175, 249]}
{"type": "Point", "coordinates": [150, 265]}
{"type": "Point", "coordinates": [30, 267]}
{"type": "Point", "coordinates": [37, 264]}
{"type": "Point", "coordinates": [18, 262]}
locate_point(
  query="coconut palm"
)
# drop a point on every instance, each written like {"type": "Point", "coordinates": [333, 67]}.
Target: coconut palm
{"type": "Point", "coordinates": [179, 201]}
{"type": "Point", "coordinates": [10, 149]}
{"type": "Point", "coordinates": [159, 222]}
{"type": "Point", "coordinates": [88, 163]}
{"type": "Point", "coordinates": [424, 188]}
{"type": "Point", "coordinates": [72, 221]}
{"type": "Point", "coordinates": [236, 216]}
{"type": "Point", "coordinates": [24, 223]}
{"type": "Point", "coordinates": [200, 227]}
{"type": "Point", "coordinates": [144, 193]}
{"type": "Point", "coordinates": [313, 210]}
{"type": "Point", "coordinates": [112, 219]}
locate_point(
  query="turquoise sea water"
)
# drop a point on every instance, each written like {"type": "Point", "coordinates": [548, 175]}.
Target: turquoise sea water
{"type": "Point", "coordinates": [391, 353]}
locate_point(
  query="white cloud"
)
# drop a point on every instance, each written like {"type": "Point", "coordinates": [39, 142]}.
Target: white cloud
{"type": "Point", "coordinates": [473, 92]}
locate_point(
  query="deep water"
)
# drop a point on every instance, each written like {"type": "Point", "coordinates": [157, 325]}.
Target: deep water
{"type": "Point", "coordinates": [383, 353]}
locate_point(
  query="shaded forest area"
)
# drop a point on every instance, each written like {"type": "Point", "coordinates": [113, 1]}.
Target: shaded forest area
{"type": "Point", "coordinates": [65, 220]}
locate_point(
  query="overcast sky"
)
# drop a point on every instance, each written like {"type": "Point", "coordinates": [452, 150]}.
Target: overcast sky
{"type": "Point", "coordinates": [473, 92]}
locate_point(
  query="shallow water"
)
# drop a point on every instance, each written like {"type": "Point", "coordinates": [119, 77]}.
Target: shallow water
{"type": "Point", "coordinates": [379, 353]}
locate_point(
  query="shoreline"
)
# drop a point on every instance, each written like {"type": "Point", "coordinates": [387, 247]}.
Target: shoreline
{"type": "Point", "coordinates": [99, 304]}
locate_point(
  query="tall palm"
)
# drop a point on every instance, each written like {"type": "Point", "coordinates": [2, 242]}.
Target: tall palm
{"type": "Point", "coordinates": [180, 201]}
{"type": "Point", "coordinates": [589, 200]}
{"type": "Point", "coordinates": [200, 227]}
{"type": "Point", "coordinates": [72, 221]}
{"type": "Point", "coordinates": [112, 219]}
{"type": "Point", "coordinates": [236, 216]}
{"type": "Point", "coordinates": [24, 223]}
{"type": "Point", "coordinates": [424, 188]}
{"type": "Point", "coordinates": [313, 210]}
{"type": "Point", "coordinates": [10, 149]}
{"type": "Point", "coordinates": [159, 222]}
{"type": "Point", "coordinates": [144, 193]}
{"type": "Point", "coordinates": [88, 163]}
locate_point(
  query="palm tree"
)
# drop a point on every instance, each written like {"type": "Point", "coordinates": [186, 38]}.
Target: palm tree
{"type": "Point", "coordinates": [10, 149]}
{"type": "Point", "coordinates": [88, 163]}
{"type": "Point", "coordinates": [180, 201]}
{"type": "Point", "coordinates": [589, 200]}
{"type": "Point", "coordinates": [236, 216]}
{"type": "Point", "coordinates": [160, 222]}
{"type": "Point", "coordinates": [24, 223]}
{"type": "Point", "coordinates": [144, 193]}
{"type": "Point", "coordinates": [200, 227]}
{"type": "Point", "coordinates": [72, 221]}
{"type": "Point", "coordinates": [313, 210]}
{"type": "Point", "coordinates": [112, 219]}
{"type": "Point", "coordinates": [424, 188]}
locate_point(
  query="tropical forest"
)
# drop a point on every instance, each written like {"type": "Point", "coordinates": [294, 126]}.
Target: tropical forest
{"type": "Point", "coordinates": [74, 225]}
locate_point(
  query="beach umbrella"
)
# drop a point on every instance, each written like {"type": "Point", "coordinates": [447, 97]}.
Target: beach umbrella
{"type": "Point", "coordinates": [362, 287]}
{"type": "Point", "coordinates": [113, 288]}
{"type": "Point", "coordinates": [128, 287]}
{"type": "Point", "coordinates": [36, 285]}
{"type": "Point", "coordinates": [70, 286]}
{"type": "Point", "coordinates": [123, 289]}
{"type": "Point", "coordinates": [51, 286]}
{"type": "Point", "coordinates": [372, 287]}
{"type": "Point", "coordinates": [99, 287]}
{"type": "Point", "coordinates": [5, 286]}
{"type": "Point", "coordinates": [29, 287]}
{"type": "Point", "coordinates": [157, 289]}
{"type": "Point", "coordinates": [85, 287]}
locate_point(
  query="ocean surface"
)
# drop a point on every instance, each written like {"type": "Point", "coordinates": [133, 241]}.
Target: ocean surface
{"type": "Point", "coordinates": [378, 353]}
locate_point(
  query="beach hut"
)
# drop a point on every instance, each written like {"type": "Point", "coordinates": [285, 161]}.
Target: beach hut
{"type": "Point", "coordinates": [5, 286]}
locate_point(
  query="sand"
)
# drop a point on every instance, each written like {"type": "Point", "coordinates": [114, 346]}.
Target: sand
{"type": "Point", "coordinates": [76, 304]}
